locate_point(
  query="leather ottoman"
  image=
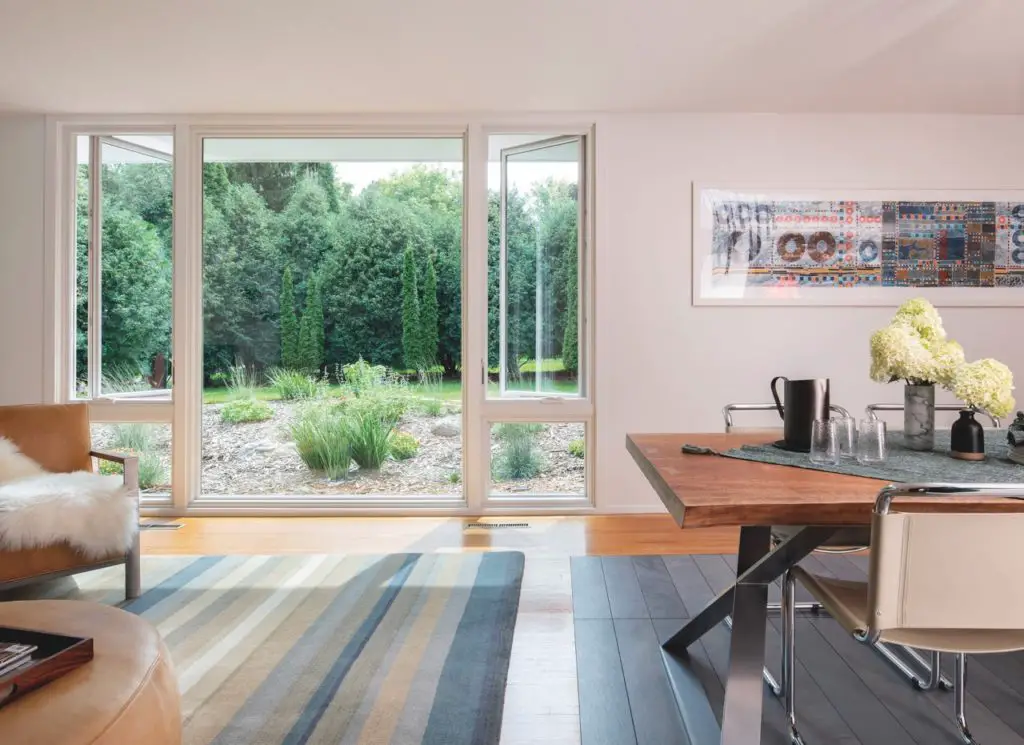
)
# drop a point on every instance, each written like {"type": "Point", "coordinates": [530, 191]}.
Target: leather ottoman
{"type": "Point", "coordinates": [128, 694]}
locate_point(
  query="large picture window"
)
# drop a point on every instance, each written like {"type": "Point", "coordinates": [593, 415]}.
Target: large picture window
{"type": "Point", "coordinates": [349, 317]}
{"type": "Point", "coordinates": [332, 317]}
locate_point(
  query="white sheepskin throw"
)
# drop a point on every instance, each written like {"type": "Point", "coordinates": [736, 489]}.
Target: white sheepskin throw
{"type": "Point", "coordinates": [95, 514]}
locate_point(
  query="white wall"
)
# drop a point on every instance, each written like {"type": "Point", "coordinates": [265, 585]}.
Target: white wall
{"type": "Point", "coordinates": [22, 332]}
{"type": "Point", "coordinates": [664, 365]}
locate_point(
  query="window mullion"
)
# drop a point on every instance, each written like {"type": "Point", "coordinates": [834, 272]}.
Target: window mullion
{"type": "Point", "coordinates": [95, 297]}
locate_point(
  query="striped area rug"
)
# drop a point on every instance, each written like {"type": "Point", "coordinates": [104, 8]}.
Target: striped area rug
{"type": "Point", "coordinates": [346, 650]}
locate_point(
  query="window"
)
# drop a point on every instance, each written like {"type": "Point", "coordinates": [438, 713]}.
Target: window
{"type": "Point", "coordinates": [309, 313]}
{"type": "Point", "coordinates": [123, 229]}
{"type": "Point", "coordinates": [332, 318]}
{"type": "Point", "coordinates": [538, 459]}
{"type": "Point", "coordinates": [534, 266]}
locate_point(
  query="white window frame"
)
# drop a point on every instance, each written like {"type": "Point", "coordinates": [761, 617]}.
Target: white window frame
{"type": "Point", "coordinates": [184, 408]}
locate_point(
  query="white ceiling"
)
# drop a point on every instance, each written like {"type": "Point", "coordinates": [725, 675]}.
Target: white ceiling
{"type": "Point", "coordinates": [310, 56]}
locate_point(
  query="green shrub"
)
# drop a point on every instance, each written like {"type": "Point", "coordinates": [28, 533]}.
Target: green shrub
{"type": "Point", "coordinates": [430, 406]}
{"type": "Point", "coordinates": [246, 410]}
{"type": "Point", "coordinates": [404, 446]}
{"type": "Point", "coordinates": [454, 477]}
{"type": "Point", "coordinates": [517, 456]}
{"type": "Point", "coordinates": [361, 376]}
{"type": "Point", "coordinates": [151, 470]}
{"type": "Point", "coordinates": [293, 385]}
{"type": "Point", "coordinates": [370, 436]}
{"type": "Point", "coordinates": [321, 439]}
{"type": "Point", "coordinates": [577, 448]}
{"type": "Point", "coordinates": [133, 437]}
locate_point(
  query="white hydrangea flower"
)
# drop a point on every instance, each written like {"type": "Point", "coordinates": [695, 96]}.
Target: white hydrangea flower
{"type": "Point", "coordinates": [948, 358]}
{"type": "Point", "coordinates": [923, 318]}
{"type": "Point", "coordinates": [986, 384]}
{"type": "Point", "coordinates": [898, 352]}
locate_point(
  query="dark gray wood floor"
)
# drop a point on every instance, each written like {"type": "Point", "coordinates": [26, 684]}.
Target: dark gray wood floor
{"type": "Point", "coordinates": [846, 694]}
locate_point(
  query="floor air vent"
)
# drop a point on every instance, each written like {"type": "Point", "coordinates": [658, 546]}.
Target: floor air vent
{"type": "Point", "coordinates": [494, 526]}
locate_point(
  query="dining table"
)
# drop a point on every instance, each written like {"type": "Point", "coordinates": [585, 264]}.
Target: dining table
{"type": "Point", "coordinates": [705, 489]}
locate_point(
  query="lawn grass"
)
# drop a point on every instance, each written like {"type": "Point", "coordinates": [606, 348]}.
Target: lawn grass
{"type": "Point", "coordinates": [446, 390]}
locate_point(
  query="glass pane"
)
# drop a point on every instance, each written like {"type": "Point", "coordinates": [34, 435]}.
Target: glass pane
{"type": "Point", "coordinates": [332, 317]}
{"type": "Point", "coordinates": [532, 459]}
{"type": "Point", "coordinates": [136, 180]}
{"type": "Point", "coordinates": [150, 442]}
{"type": "Point", "coordinates": [538, 221]}
{"type": "Point", "coordinates": [82, 269]}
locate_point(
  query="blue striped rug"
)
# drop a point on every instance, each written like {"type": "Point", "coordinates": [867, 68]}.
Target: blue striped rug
{"type": "Point", "coordinates": [346, 650]}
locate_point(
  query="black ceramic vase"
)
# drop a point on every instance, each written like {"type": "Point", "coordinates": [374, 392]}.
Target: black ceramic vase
{"type": "Point", "coordinates": [967, 438]}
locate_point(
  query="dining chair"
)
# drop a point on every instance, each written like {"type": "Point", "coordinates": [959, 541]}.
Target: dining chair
{"type": "Point", "coordinates": [913, 574]}
{"type": "Point", "coordinates": [932, 668]}
{"type": "Point", "coordinates": [846, 540]}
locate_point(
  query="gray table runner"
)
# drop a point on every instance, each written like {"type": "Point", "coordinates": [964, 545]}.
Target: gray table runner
{"type": "Point", "coordinates": [903, 465]}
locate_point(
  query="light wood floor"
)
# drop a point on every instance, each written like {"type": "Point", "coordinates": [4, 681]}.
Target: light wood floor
{"type": "Point", "coordinates": [542, 696]}
{"type": "Point", "coordinates": [630, 535]}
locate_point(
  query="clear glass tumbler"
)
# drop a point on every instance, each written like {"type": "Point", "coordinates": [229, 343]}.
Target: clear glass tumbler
{"type": "Point", "coordinates": [847, 433]}
{"type": "Point", "coordinates": [824, 441]}
{"type": "Point", "coordinates": [871, 442]}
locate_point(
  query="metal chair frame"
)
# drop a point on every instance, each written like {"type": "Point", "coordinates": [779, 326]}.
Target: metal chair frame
{"type": "Point", "coordinates": [872, 411]}
{"type": "Point", "coordinates": [882, 505]}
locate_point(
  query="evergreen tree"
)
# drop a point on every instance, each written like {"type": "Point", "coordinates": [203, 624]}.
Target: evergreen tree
{"type": "Point", "coordinates": [429, 319]}
{"type": "Point", "coordinates": [412, 337]}
{"type": "Point", "coordinates": [308, 232]}
{"type": "Point", "coordinates": [311, 330]}
{"type": "Point", "coordinates": [289, 323]}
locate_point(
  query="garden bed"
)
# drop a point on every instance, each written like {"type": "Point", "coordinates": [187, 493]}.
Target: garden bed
{"type": "Point", "coordinates": [261, 458]}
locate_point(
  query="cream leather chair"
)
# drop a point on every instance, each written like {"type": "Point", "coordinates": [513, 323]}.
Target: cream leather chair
{"type": "Point", "coordinates": [913, 575]}
{"type": "Point", "coordinates": [928, 673]}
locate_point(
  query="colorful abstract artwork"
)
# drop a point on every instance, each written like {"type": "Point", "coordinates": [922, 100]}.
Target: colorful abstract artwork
{"type": "Point", "coordinates": [763, 245]}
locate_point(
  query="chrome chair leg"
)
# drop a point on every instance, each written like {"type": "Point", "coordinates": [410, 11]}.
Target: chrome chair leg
{"type": "Point", "coordinates": [769, 679]}
{"type": "Point", "coordinates": [935, 679]}
{"type": "Point", "coordinates": [960, 698]}
{"type": "Point", "coordinates": [789, 654]}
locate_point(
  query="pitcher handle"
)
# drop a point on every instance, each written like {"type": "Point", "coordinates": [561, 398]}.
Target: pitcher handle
{"type": "Point", "coordinates": [775, 395]}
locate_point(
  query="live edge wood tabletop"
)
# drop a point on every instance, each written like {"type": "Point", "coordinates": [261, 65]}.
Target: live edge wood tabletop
{"type": "Point", "coordinates": [707, 490]}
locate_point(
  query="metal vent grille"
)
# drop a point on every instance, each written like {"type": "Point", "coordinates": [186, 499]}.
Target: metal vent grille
{"type": "Point", "coordinates": [494, 526]}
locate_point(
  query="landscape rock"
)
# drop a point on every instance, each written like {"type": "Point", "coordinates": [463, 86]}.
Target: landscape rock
{"type": "Point", "coordinates": [447, 428]}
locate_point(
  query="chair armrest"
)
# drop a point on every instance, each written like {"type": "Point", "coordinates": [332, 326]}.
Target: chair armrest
{"type": "Point", "coordinates": [107, 455]}
{"type": "Point", "coordinates": [130, 463]}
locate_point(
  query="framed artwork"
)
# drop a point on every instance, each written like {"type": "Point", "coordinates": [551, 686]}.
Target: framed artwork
{"type": "Point", "coordinates": [846, 246]}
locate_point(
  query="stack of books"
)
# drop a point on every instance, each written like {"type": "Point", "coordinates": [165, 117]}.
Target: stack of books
{"type": "Point", "coordinates": [15, 656]}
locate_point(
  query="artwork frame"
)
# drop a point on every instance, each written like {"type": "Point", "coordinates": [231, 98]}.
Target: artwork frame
{"type": "Point", "coordinates": [980, 229]}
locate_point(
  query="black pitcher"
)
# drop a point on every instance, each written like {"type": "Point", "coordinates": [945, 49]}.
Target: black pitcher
{"type": "Point", "coordinates": [806, 400]}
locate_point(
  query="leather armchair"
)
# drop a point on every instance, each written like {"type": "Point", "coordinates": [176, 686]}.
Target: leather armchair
{"type": "Point", "coordinates": [57, 437]}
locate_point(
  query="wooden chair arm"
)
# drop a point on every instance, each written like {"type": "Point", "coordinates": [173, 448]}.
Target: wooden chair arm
{"type": "Point", "coordinates": [130, 463]}
{"type": "Point", "coordinates": [108, 455]}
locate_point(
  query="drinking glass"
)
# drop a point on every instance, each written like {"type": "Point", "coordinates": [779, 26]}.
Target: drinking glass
{"type": "Point", "coordinates": [871, 444]}
{"type": "Point", "coordinates": [824, 441]}
{"type": "Point", "coordinates": [847, 433]}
